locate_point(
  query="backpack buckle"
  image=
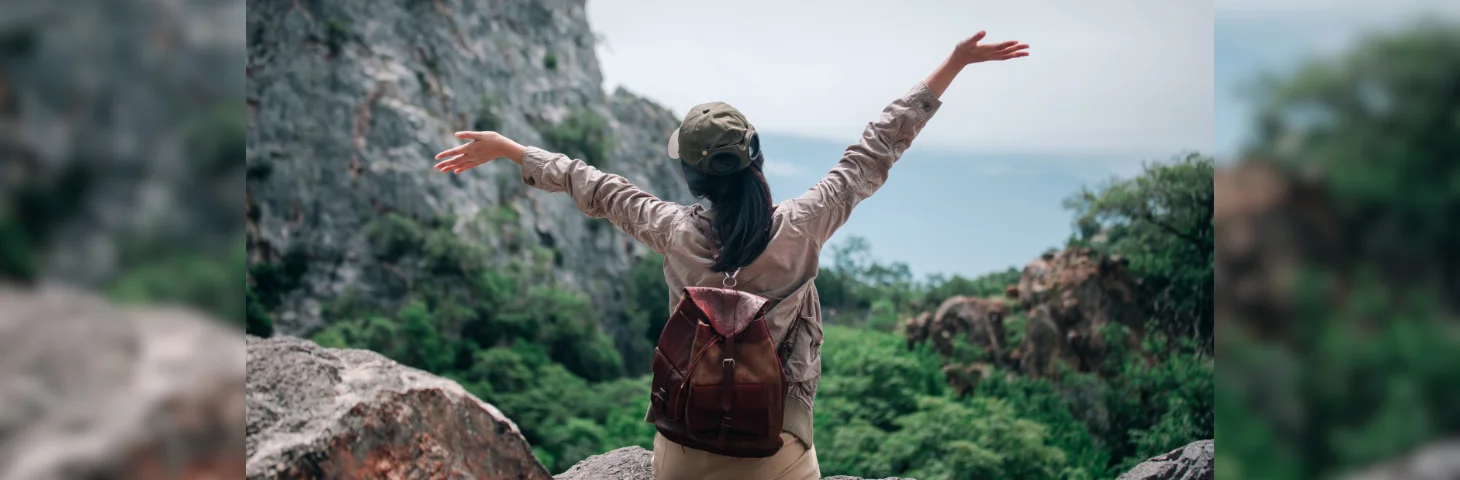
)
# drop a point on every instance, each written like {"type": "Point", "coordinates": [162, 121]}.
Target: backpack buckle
{"type": "Point", "coordinates": [729, 281]}
{"type": "Point", "coordinates": [728, 363]}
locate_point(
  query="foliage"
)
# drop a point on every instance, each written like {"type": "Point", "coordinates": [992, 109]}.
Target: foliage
{"type": "Point", "coordinates": [507, 337]}
{"type": "Point", "coordinates": [1161, 221]}
{"type": "Point", "coordinates": [884, 411]}
{"type": "Point", "coordinates": [582, 135]}
{"type": "Point", "coordinates": [550, 61]}
{"type": "Point", "coordinates": [990, 285]}
{"type": "Point", "coordinates": [487, 118]}
{"type": "Point", "coordinates": [30, 213]}
{"type": "Point", "coordinates": [1367, 372]}
{"type": "Point", "coordinates": [855, 282]}
{"type": "Point", "coordinates": [193, 279]}
{"type": "Point", "coordinates": [646, 311]}
{"type": "Point", "coordinates": [257, 321]}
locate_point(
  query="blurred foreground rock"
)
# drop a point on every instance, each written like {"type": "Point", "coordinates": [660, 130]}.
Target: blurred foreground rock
{"type": "Point", "coordinates": [92, 390]}
{"type": "Point", "coordinates": [1438, 461]}
{"type": "Point", "coordinates": [1195, 461]}
{"type": "Point", "coordinates": [317, 412]}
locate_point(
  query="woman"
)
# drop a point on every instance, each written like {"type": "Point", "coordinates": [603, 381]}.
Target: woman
{"type": "Point", "coordinates": [770, 250]}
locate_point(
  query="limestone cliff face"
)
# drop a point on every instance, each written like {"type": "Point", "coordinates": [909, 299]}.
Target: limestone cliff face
{"type": "Point", "coordinates": [348, 101]}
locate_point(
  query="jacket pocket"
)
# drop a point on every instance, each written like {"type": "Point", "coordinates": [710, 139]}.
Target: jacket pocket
{"type": "Point", "coordinates": [804, 362]}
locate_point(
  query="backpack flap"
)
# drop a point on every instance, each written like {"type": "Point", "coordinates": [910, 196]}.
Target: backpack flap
{"type": "Point", "coordinates": [728, 311]}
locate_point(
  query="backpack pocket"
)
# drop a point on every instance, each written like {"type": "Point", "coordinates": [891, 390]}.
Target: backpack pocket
{"type": "Point", "coordinates": [748, 420]}
{"type": "Point", "coordinates": [664, 389]}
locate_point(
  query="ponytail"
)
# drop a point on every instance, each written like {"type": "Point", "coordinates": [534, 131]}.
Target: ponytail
{"type": "Point", "coordinates": [740, 204]}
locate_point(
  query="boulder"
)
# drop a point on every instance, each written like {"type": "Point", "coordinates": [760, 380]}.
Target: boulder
{"type": "Point", "coordinates": [628, 463]}
{"type": "Point", "coordinates": [632, 463]}
{"type": "Point", "coordinates": [1437, 461]}
{"type": "Point", "coordinates": [1195, 461]}
{"type": "Point", "coordinates": [1071, 296]}
{"type": "Point", "coordinates": [317, 412]}
{"type": "Point", "coordinates": [93, 390]}
{"type": "Point", "coordinates": [977, 321]}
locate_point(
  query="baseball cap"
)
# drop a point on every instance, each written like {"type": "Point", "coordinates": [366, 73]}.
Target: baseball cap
{"type": "Point", "coordinates": [708, 130]}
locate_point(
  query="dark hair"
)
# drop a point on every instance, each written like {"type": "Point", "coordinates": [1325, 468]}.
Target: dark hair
{"type": "Point", "coordinates": [741, 207]}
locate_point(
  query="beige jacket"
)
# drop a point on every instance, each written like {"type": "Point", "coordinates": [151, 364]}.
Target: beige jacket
{"type": "Point", "coordinates": [785, 273]}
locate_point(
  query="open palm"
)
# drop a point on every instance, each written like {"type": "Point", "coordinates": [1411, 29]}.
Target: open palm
{"type": "Point", "coordinates": [970, 51]}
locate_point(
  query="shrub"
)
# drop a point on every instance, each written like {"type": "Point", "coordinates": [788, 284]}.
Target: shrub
{"type": "Point", "coordinates": [583, 135]}
{"type": "Point", "coordinates": [487, 119]}
{"type": "Point", "coordinates": [550, 61]}
{"type": "Point", "coordinates": [394, 236]}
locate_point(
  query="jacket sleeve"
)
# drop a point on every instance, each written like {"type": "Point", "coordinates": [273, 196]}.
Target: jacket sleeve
{"type": "Point", "coordinates": [823, 209]}
{"type": "Point", "coordinates": [603, 195]}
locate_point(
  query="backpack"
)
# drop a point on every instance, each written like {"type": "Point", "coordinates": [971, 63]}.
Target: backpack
{"type": "Point", "coordinates": [719, 383]}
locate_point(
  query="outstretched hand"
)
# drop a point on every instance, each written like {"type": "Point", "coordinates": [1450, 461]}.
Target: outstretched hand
{"type": "Point", "coordinates": [970, 51]}
{"type": "Point", "coordinates": [482, 148]}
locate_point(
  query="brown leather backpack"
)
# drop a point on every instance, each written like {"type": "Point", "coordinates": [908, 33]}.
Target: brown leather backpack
{"type": "Point", "coordinates": [719, 385]}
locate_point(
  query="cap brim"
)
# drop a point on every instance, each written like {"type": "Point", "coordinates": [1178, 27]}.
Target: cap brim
{"type": "Point", "coordinates": [674, 144]}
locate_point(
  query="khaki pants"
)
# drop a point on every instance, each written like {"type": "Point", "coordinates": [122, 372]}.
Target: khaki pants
{"type": "Point", "coordinates": [672, 461]}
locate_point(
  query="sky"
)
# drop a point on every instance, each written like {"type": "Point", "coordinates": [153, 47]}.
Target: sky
{"type": "Point", "coordinates": [1254, 37]}
{"type": "Point", "coordinates": [1131, 77]}
{"type": "Point", "coordinates": [1108, 87]}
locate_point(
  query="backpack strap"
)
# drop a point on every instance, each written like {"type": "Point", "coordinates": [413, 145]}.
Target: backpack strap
{"type": "Point", "coordinates": [711, 239]}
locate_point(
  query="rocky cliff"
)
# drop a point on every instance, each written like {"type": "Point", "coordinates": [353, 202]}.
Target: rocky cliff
{"type": "Point", "coordinates": [348, 101]}
{"type": "Point", "coordinates": [121, 136]}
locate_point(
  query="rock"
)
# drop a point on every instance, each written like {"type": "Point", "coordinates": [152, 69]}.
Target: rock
{"type": "Point", "coordinates": [1071, 296]}
{"type": "Point", "coordinates": [317, 412]}
{"type": "Point", "coordinates": [349, 101]}
{"type": "Point", "coordinates": [977, 321]}
{"type": "Point", "coordinates": [628, 463]}
{"type": "Point", "coordinates": [1068, 298]}
{"type": "Point", "coordinates": [1269, 224]}
{"type": "Point", "coordinates": [1195, 461]}
{"type": "Point", "coordinates": [111, 151]}
{"type": "Point", "coordinates": [1437, 461]}
{"type": "Point", "coordinates": [631, 463]}
{"type": "Point", "coordinates": [92, 390]}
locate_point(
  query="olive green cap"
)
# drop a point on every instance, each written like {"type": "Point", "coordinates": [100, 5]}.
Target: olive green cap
{"type": "Point", "coordinates": [708, 126]}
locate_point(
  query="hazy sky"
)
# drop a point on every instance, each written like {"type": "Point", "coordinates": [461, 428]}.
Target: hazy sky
{"type": "Point", "coordinates": [1260, 36]}
{"type": "Point", "coordinates": [1103, 77]}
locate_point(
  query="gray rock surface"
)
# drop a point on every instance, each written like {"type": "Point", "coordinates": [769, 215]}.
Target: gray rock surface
{"type": "Point", "coordinates": [1195, 461]}
{"type": "Point", "coordinates": [348, 100]}
{"type": "Point", "coordinates": [93, 390]}
{"type": "Point", "coordinates": [317, 412]}
{"type": "Point", "coordinates": [631, 463]}
{"type": "Point", "coordinates": [628, 463]}
{"type": "Point", "coordinates": [121, 122]}
{"type": "Point", "coordinates": [1437, 461]}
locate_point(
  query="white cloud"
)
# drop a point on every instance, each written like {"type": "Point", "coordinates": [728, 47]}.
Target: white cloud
{"type": "Point", "coordinates": [1102, 76]}
{"type": "Point", "coordinates": [781, 169]}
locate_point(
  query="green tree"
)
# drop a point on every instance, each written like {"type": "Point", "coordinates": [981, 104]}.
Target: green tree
{"type": "Point", "coordinates": [1365, 367]}
{"type": "Point", "coordinates": [1161, 221]}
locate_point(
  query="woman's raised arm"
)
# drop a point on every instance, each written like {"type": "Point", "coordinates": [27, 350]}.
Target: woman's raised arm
{"type": "Point", "coordinates": [864, 166]}
{"type": "Point", "coordinates": [595, 193]}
